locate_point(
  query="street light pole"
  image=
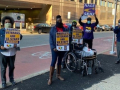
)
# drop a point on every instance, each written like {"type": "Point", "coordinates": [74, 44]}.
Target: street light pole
{"type": "Point", "coordinates": [114, 24]}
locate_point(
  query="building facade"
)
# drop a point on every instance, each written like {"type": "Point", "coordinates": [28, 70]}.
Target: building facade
{"type": "Point", "coordinates": [38, 11]}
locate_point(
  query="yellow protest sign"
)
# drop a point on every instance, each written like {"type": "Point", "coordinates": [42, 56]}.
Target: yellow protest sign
{"type": "Point", "coordinates": [62, 41]}
{"type": "Point", "coordinates": [12, 36]}
{"type": "Point", "coordinates": [76, 35]}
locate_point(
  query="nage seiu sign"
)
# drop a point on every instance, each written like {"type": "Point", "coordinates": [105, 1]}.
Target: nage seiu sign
{"type": "Point", "coordinates": [89, 9]}
{"type": "Point", "coordinates": [12, 36]}
{"type": "Point", "coordinates": [62, 41]}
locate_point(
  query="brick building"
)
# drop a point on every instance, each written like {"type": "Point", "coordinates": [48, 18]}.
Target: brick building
{"type": "Point", "coordinates": [37, 11]}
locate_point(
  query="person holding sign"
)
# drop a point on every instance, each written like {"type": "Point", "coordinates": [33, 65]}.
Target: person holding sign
{"type": "Point", "coordinates": [88, 29]}
{"type": "Point", "coordinates": [117, 32]}
{"type": "Point", "coordinates": [7, 56]}
{"type": "Point", "coordinates": [71, 28]}
{"type": "Point", "coordinates": [55, 53]}
{"type": "Point", "coordinates": [74, 26]}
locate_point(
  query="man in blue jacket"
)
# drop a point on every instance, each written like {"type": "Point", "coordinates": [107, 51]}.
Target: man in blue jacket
{"type": "Point", "coordinates": [117, 32]}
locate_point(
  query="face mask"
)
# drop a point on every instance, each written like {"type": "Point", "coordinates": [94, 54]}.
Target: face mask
{"type": "Point", "coordinates": [73, 27]}
{"type": "Point", "coordinates": [8, 25]}
{"type": "Point", "coordinates": [118, 23]}
{"type": "Point", "coordinates": [59, 24]}
{"type": "Point", "coordinates": [74, 24]}
{"type": "Point", "coordinates": [88, 22]}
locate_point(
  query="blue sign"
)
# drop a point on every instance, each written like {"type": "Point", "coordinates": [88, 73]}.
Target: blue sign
{"type": "Point", "coordinates": [89, 9]}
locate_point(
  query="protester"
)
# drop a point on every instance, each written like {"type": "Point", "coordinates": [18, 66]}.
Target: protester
{"type": "Point", "coordinates": [117, 32]}
{"type": "Point", "coordinates": [7, 56]}
{"type": "Point", "coordinates": [74, 26]}
{"type": "Point", "coordinates": [55, 53]}
{"type": "Point", "coordinates": [88, 29]}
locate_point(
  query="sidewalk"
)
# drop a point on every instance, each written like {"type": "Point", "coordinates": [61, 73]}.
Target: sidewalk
{"type": "Point", "coordinates": [74, 81]}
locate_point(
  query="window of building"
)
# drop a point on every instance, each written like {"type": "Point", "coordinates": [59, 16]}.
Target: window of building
{"type": "Point", "coordinates": [118, 6]}
{"type": "Point", "coordinates": [102, 3]}
{"type": "Point", "coordinates": [91, 1]}
{"type": "Point", "coordinates": [96, 2]}
{"type": "Point", "coordinates": [108, 4]}
{"type": "Point", "coordinates": [85, 1]}
{"type": "Point", "coordinates": [105, 3]}
{"type": "Point", "coordinates": [80, 1]}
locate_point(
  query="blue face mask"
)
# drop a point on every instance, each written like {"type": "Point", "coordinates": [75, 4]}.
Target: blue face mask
{"type": "Point", "coordinates": [89, 22]}
{"type": "Point", "coordinates": [118, 23]}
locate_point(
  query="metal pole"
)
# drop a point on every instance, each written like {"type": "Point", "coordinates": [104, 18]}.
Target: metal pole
{"type": "Point", "coordinates": [114, 24]}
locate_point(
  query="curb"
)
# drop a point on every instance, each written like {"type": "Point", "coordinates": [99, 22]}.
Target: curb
{"type": "Point", "coordinates": [26, 77]}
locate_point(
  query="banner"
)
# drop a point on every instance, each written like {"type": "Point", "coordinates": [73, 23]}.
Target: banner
{"type": "Point", "coordinates": [77, 36]}
{"type": "Point", "coordinates": [62, 41]}
{"type": "Point", "coordinates": [12, 37]}
{"type": "Point", "coordinates": [89, 9]}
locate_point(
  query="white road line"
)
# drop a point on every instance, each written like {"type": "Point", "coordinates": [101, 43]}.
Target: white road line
{"type": "Point", "coordinates": [35, 46]}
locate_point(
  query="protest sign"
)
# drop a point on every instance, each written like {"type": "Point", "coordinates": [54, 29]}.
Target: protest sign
{"type": "Point", "coordinates": [77, 36]}
{"type": "Point", "coordinates": [12, 37]}
{"type": "Point", "coordinates": [62, 41]}
{"type": "Point", "coordinates": [89, 9]}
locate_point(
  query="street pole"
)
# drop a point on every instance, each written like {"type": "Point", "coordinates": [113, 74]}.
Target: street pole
{"type": "Point", "coordinates": [114, 24]}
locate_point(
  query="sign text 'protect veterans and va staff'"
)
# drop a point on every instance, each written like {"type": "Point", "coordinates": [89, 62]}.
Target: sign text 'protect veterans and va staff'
{"type": "Point", "coordinates": [62, 41]}
{"type": "Point", "coordinates": [89, 9]}
{"type": "Point", "coordinates": [12, 37]}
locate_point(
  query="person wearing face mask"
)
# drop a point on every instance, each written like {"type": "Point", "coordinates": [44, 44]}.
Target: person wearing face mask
{"type": "Point", "coordinates": [88, 29]}
{"type": "Point", "coordinates": [55, 53]}
{"type": "Point", "coordinates": [7, 56]}
{"type": "Point", "coordinates": [73, 26]}
{"type": "Point", "coordinates": [117, 32]}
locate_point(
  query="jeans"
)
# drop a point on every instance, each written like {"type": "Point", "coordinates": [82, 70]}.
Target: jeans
{"type": "Point", "coordinates": [57, 57]}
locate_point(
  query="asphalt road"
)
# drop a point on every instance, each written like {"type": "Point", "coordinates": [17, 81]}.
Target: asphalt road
{"type": "Point", "coordinates": [109, 80]}
{"type": "Point", "coordinates": [36, 40]}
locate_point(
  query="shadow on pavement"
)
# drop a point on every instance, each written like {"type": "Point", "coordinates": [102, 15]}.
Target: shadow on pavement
{"type": "Point", "coordinates": [73, 81]}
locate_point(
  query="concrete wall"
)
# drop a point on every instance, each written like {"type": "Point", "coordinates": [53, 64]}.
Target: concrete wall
{"type": "Point", "coordinates": [45, 15]}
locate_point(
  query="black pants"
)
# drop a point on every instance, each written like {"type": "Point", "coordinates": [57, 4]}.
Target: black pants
{"type": "Point", "coordinates": [89, 42]}
{"type": "Point", "coordinates": [4, 61]}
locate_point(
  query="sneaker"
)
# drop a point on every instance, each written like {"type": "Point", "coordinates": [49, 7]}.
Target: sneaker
{"type": "Point", "coordinates": [117, 62]}
{"type": "Point", "coordinates": [4, 85]}
{"type": "Point", "coordinates": [13, 83]}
